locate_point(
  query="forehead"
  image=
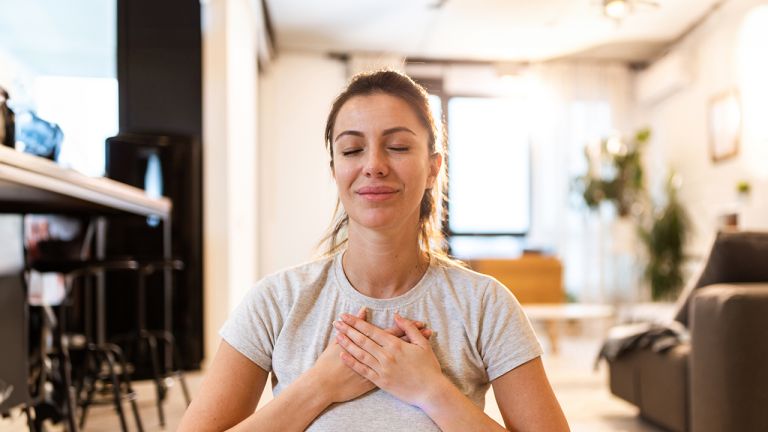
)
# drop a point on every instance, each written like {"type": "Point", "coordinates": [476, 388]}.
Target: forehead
{"type": "Point", "coordinates": [376, 111]}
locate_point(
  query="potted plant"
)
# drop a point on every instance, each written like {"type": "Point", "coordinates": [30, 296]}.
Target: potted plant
{"type": "Point", "coordinates": [664, 238]}
{"type": "Point", "coordinates": [615, 173]}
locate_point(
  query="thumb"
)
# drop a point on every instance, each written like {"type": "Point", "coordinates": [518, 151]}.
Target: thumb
{"type": "Point", "coordinates": [411, 331]}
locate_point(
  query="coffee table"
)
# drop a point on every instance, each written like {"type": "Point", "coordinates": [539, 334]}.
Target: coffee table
{"type": "Point", "coordinates": [552, 314]}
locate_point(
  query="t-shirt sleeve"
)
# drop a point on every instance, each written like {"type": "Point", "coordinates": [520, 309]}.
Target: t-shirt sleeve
{"type": "Point", "coordinates": [254, 325]}
{"type": "Point", "coordinates": [506, 338]}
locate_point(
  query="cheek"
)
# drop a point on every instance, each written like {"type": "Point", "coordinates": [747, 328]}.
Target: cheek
{"type": "Point", "coordinates": [343, 175]}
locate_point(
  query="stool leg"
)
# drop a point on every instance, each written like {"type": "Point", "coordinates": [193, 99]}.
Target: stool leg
{"type": "Point", "coordinates": [68, 396]}
{"type": "Point", "coordinates": [30, 420]}
{"type": "Point", "coordinates": [159, 385]}
{"type": "Point", "coordinates": [168, 337]}
{"type": "Point", "coordinates": [110, 359]}
{"type": "Point", "coordinates": [65, 369]}
{"type": "Point", "coordinates": [87, 403]}
{"type": "Point", "coordinates": [129, 390]}
{"type": "Point", "coordinates": [89, 383]}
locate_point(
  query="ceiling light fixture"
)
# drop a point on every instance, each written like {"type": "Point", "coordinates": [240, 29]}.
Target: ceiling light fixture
{"type": "Point", "coordinates": [616, 9]}
{"type": "Point", "coordinates": [620, 9]}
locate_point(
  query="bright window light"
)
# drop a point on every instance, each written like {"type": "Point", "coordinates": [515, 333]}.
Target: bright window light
{"type": "Point", "coordinates": [86, 109]}
{"type": "Point", "coordinates": [489, 166]}
{"type": "Point", "coordinates": [754, 90]}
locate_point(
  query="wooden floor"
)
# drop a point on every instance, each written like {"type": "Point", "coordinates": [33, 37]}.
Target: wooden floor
{"type": "Point", "coordinates": [582, 392]}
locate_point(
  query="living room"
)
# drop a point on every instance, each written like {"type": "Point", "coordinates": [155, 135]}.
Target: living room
{"type": "Point", "coordinates": [588, 122]}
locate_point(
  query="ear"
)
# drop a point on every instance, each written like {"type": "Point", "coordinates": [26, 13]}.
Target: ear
{"type": "Point", "coordinates": [435, 162]}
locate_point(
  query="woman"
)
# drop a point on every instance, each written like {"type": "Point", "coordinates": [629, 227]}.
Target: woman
{"type": "Point", "coordinates": [345, 336]}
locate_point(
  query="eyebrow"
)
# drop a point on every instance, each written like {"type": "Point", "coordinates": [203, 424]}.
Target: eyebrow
{"type": "Point", "coordinates": [389, 131]}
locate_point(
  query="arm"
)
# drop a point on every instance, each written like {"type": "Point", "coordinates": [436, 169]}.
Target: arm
{"type": "Point", "coordinates": [410, 372]}
{"type": "Point", "coordinates": [526, 400]}
{"type": "Point", "coordinates": [233, 385]}
{"type": "Point", "coordinates": [229, 393]}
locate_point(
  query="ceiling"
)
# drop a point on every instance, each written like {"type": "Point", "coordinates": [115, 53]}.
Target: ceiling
{"type": "Point", "coordinates": [495, 30]}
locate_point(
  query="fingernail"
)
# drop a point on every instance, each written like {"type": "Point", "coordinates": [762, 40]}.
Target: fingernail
{"type": "Point", "coordinates": [337, 324]}
{"type": "Point", "coordinates": [362, 310]}
{"type": "Point", "coordinates": [345, 317]}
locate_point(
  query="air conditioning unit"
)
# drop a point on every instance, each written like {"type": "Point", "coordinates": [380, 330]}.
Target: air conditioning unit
{"type": "Point", "coordinates": [664, 78]}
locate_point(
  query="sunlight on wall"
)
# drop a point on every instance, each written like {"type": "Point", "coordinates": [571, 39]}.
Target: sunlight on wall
{"type": "Point", "coordinates": [754, 91]}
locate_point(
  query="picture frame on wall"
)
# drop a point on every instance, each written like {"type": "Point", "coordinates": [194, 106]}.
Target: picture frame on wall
{"type": "Point", "coordinates": [724, 124]}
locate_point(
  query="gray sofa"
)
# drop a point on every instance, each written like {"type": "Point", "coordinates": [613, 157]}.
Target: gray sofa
{"type": "Point", "coordinates": [718, 379]}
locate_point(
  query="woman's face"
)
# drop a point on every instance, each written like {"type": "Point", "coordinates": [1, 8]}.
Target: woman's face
{"type": "Point", "coordinates": [382, 164]}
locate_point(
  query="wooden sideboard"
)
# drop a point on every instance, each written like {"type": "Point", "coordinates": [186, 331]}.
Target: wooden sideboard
{"type": "Point", "coordinates": [532, 278]}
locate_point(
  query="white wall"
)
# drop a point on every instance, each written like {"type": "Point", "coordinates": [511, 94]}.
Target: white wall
{"type": "Point", "coordinates": [679, 125]}
{"type": "Point", "coordinates": [230, 181]}
{"type": "Point", "coordinates": [296, 192]}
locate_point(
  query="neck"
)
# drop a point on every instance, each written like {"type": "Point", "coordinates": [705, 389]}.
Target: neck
{"type": "Point", "coordinates": [384, 265]}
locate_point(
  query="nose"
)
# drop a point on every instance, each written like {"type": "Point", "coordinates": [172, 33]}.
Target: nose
{"type": "Point", "coordinates": [376, 164]}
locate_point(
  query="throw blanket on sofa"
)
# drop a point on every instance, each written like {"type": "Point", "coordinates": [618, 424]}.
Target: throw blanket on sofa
{"type": "Point", "coordinates": [626, 338]}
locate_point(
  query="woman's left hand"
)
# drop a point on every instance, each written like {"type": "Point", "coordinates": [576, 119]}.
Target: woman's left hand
{"type": "Point", "coordinates": [408, 371]}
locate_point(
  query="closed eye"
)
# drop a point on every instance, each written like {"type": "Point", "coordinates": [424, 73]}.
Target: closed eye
{"type": "Point", "coordinates": [351, 152]}
{"type": "Point", "coordinates": [399, 149]}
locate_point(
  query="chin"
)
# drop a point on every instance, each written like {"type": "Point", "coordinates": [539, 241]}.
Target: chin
{"type": "Point", "coordinates": [377, 220]}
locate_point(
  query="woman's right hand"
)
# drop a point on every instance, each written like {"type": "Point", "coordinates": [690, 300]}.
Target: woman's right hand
{"type": "Point", "coordinates": [340, 382]}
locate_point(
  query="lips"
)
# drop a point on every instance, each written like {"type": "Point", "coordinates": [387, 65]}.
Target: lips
{"type": "Point", "coordinates": [376, 190]}
{"type": "Point", "coordinates": [376, 193]}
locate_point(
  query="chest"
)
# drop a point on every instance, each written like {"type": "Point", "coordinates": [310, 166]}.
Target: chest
{"type": "Point", "coordinates": [308, 330]}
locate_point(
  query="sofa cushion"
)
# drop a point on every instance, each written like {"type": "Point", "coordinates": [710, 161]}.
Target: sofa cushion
{"type": "Point", "coordinates": [736, 257]}
{"type": "Point", "coordinates": [656, 382]}
{"type": "Point", "coordinates": [663, 392]}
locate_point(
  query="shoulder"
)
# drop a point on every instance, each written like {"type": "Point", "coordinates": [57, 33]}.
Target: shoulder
{"type": "Point", "coordinates": [291, 283]}
{"type": "Point", "coordinates": [462, 278]}
{"type": "Point", "coordinates": [472, 289]}
{"type": "Point", "coordinates": [311, 270]}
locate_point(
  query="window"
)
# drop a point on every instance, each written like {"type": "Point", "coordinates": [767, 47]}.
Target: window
{"type": "Point", "coordinates": [488, 167]}
{"type": "Point", "coordinates": [86, 110]}
{"type": "Point", "coordinates": [58, 59]}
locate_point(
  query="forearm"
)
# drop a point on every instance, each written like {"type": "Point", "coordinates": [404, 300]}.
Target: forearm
{"type": "Point", "coordinates": [293, 410]}
{"type": "Point", "coordinates": [452, 411]}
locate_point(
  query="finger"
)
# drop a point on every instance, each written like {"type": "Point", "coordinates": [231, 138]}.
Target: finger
{"type": "Point", "coordinates": [355, 351]}
{"type": "Point", "coordinates": [369, 330]}
{"type": "Point", "coordinates": [361, 369]}
{"type": "Point", "coordinates": [427, 333]}
{"type": "Point", "coordinates": [398, 332]}
{"type": "Point", "coordinates": [360, 340]}
{"type": "Point", "coordinates": [411, 331]}
{"type": "Point", "coordinates": [362, 314]}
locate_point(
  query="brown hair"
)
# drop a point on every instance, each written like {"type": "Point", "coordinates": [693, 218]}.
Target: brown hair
{"type": "Point", "coordinates": [401, 86]}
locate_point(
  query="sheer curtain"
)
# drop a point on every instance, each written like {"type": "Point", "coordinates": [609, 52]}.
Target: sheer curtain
{"type": "Point", "coordinates": [575, 105]}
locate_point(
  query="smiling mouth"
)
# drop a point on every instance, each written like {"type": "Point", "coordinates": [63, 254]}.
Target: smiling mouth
{"type": "Point", "coordinates": [376, 193]}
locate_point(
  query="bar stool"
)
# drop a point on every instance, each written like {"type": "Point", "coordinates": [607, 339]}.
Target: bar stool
{"type": "Point", "coordinates": [105, 363]}
{"type": "Point", "coordinates": [143, 341]}
{"type": "Point", "coordinates": [50, 376]}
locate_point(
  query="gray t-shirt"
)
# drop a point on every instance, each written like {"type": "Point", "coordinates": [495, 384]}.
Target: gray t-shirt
{"type": "Point", "coordinates": [285, 322]}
